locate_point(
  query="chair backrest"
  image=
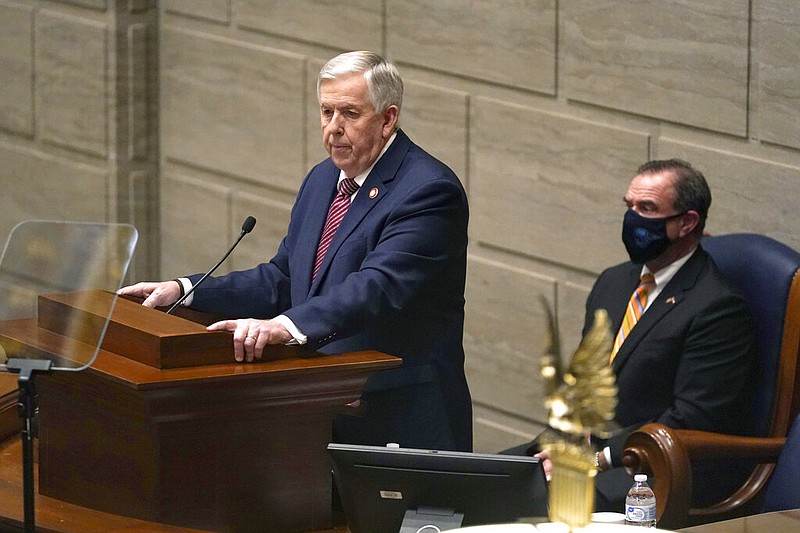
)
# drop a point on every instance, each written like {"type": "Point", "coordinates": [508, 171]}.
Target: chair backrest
{"type": "Point", "coordinates": [783, 491]}
{"type": "Point", "coordinates": [766, 272]}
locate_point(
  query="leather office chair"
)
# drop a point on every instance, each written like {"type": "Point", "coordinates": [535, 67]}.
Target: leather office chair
{"type": "Point", "coordinates": [765, 271]}
{"type": "Point", "coordinates": [783, 491]}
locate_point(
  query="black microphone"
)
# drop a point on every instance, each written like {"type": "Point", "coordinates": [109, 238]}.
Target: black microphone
{"type": "Point", "coordinates": [247, 227]}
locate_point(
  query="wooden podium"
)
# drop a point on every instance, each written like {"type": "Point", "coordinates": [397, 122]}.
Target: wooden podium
{"type": "Point", "coordinates": [165, 426]}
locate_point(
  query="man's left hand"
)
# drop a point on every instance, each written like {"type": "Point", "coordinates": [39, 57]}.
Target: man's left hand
{"type": "Point", "coordinates": [250, 336]}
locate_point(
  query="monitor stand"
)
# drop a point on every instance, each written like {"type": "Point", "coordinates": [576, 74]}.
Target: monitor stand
{"type": "Point", "coordinates": [430, 520]}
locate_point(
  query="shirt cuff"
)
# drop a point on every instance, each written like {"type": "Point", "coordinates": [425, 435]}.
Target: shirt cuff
{"type": "Point", "coordinates": [607, 454]}
{"type": "Point", "coordinates": [298, 337]}
{"type": "Point", "coordinates": [187, 286]}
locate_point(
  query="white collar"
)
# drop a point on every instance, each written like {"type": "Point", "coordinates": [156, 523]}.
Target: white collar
{"type": "Point", "coordinates": [665, 275]}
{"type": "Point", "coordinates": [361, 178]}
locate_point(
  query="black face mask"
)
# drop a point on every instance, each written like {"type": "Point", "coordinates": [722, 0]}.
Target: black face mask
{"type": "Point", "coordinates": [645, 238]}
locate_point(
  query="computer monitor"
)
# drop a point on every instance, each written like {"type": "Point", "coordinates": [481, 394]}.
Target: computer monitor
{"type": "Point", "coordinates": [384, 489]}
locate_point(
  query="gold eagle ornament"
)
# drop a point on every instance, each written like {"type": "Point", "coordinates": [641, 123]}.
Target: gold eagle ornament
{"type": "Point", "coordinates": [582, 399]}
{"type": "Point", "coordinates": [581, 402]}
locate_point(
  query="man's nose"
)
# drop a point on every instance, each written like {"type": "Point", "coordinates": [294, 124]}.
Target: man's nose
{"type": "Point", "coordinates": [335, 124]}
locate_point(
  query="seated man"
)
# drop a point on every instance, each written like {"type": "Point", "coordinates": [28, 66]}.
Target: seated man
{"type": "Point", "coordinates": [685, 347]}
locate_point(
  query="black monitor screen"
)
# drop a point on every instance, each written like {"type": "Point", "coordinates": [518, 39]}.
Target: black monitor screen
{"type": "Point", "coordinates": [382, 488]}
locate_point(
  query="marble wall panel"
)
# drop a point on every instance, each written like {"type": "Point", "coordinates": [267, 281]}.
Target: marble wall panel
{"type": "Point", "coordinates": [93, 4]}
{"type": "Point", "coordinates": [503, 356]}
{"type": "Point", "coordinates": [71, 82]}
{"type": "Point", "coordinates": [315, 151]}
{"type": "Point", "coordinates": [505, 335]}
{"type": "Point", "coordinates": [513, 44]}
{"type": "Point", "coordinates": [677, 60]}
{"type": "Point", "coordinates": [749, 194]}
{"type": "Point", "coordinates": [778, 63]}
{"type": "Point", "coordinates": [232, 107]}
{"type": "Point", "coordinates": [571, 313]}
{"type": "Point", "coordinates": [137, 87]}
{"type": "Point", "coordinates": [494, 430]}
{"type": "Point", "coordinates": [262, 243]}
{"type": "Point", "coordinates": [39, 186]}
{"type": "Point", "coordinates": [213, 10]}
{"type": "Point", "coordinates": [436, 119]}
{"type": "Point", "coordinates": [143, 209]}
{"type": "Point", "coordinates": [16, 64]}
{"type": "Point", "coordinates": [136, 6]}
{"type": "Point", "coordinates": [550, 186]}
{"type": "Point", "coordinates": [196, 226]}
{"type": "Point", "coordinates": [353, 25]}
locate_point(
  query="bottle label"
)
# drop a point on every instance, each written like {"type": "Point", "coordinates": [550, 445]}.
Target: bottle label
{"type": "Point", "coordinates": [636, 513]}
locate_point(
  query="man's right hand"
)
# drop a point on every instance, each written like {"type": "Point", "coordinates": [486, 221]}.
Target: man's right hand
{"type": "Point", "coordinates": [155, 293]}
{"type": "Point", "coordinates": [547, 463]}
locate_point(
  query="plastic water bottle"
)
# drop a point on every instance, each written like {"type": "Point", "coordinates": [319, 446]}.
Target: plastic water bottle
{"type": "Point", "coordinates": [640, 504]}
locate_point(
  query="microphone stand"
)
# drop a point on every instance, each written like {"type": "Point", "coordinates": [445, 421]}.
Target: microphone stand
{"type": "Point", "coordinates": [27, 369]}
{"type": "Point", "coordinates": [247, 227]}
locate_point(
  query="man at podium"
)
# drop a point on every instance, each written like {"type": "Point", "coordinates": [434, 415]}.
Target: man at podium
{"type": "Point", "coordinates": [374, 259]}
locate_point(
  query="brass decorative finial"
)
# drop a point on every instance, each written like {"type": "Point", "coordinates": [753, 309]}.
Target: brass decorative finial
{"type": "Point", "coordinates": [581, 402]}
{"type": "Point", "coordinates": [583, 398]}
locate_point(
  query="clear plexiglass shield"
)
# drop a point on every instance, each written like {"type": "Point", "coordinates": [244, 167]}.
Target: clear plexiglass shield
{"type": "Point", "coordinates": [57, 289]}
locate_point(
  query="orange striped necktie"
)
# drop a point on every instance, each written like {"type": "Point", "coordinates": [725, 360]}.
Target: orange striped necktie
{"type": "Point", "coordinates": [634, 311]}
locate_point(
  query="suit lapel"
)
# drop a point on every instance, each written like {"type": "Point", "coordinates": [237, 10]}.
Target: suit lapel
{"type": "Point", "coordinates": [618, 302]}
{"type": "Point", "coordinates": [668, 299]}
{"type": "Point", "coordinates": [306, 249]}
{"type": "Point", "coordinates": [375, 188]}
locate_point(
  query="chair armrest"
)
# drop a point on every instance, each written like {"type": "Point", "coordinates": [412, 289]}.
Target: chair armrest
{"type": "Point", "coordinates": [666, 456]}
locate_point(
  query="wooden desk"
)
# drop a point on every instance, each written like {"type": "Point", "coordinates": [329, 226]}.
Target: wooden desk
{"type": "Point", "coordinates": [777, 522]}
{"type": "Point", "coordinates": [219, 446]}
{"type": "Point", "coordinates": [56, 516]}
{"type": "Point", "coordinates": [9, 397]}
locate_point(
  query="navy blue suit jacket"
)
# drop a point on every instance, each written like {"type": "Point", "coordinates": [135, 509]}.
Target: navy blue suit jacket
{"type": "Point", "coordinates": [392, 280]}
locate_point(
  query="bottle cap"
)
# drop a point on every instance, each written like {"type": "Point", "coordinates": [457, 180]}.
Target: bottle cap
{"type": "Point", "coordinates": [640, 477]}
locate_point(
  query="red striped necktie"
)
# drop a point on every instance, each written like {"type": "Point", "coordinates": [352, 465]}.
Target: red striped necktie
{"type": "Point", "coordinates": [634, 311]}
{"type": "Point", "coordinates": [339, 206]}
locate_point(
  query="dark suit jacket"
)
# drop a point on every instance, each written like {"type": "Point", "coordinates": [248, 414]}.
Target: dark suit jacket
{"type": "Point", "coordinates": [688, 363]}
{"type": "Point", "coordinates": [392, 280]}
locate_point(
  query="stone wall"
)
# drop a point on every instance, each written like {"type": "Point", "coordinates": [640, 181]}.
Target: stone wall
{"type": "Point", "coordinates": [79, 115]}
{"type": "Point", "coordinates": [186, 116]}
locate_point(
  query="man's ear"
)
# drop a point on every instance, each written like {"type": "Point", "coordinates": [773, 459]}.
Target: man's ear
{"type": "Point", "coordinates": [689, 222]}
{"type": "Point", "coordinates": [390, 117]}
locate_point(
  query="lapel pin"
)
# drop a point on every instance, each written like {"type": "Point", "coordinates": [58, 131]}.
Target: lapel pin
{"type": "Point", "coordinates": [373, 192]}
{"type": "Point", "coordinates": [671, 300]}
